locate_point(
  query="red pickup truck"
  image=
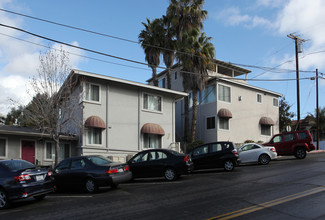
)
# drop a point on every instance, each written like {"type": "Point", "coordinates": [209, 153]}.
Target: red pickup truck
{"type": "Point", "coordinates": [296, 143]}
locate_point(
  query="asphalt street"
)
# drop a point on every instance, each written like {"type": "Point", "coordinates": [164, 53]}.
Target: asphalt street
{"type": "Point", "coordinates": [287, 188]}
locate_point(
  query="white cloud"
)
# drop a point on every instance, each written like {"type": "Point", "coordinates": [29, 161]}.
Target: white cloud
{"type": "Point", "coordinates": [19, 60]}
{"type": "Point", "coordinates": [234, 17]}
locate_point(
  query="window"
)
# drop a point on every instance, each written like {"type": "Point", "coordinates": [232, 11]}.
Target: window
{"type": "Point", "coordinates": [216, 147]}
{"type": "Point", "coordinates": [224, 93]}
{"type": "Point", "coordinates": [201, 150]}
{"type": "Point", "coordinates": [3, 150]}
{"type": "Point", "coordinates": [94, 136]}
{"type": "Point", "coordinates": [224, 123]}
{"type": "Point", "coordinates": [266, 130]}
{"type": "Point", "coordinates": [142, 157]}
{"type": "Point", "coordinates": [289, 137]}
{"type": "Point", "coordinates": [50, 151]}
{"type": "Point", "coordinates": [275, 102]}
{"type": "Point", "coordinates": [157, 155]}
{"type": "Point", "coordinates": [175, 75]}
{"type": "Point", "coordinates": [92, 92]}
{"type": "Point", "coordinates": [259, 98]}
{"type": "Point", "coordinates": [151, 141]}
{"type": "Point", "coordinates": [211, 123]}
{"type": "Point", "coordinates": [64, 165]}
{"type": "Point", "coordinates": [162, 83]}
{"type": "Point", "coordinates": [152, 102]}
{"type": "Point", "coordinates": [208, 94]}
{"type": "Point", "coordinates": [302, 135]}
{"type": "Point", "coordinates": [78, 164]}
{"type": "Point", "coordinates": [277, 139]}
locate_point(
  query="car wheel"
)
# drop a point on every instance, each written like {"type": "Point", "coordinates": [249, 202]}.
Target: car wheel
{"type": "Point", "coordinates": [264, 159]}
{"type": "Point", "coordinates": [300, 153]}
{"type": "Point", "coordinates": [4, 203]}
{"type": "Point", "coordinates": [91, 186]}
{"type": "Point", "coordinates": [170, 174]}
{"type": "Point", "coordinates": [229, 165]}
{"type": "Point", "coordinates": [40, 197]}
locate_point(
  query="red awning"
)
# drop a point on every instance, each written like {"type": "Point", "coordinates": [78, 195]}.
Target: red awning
{"type": "Point", "coordinates": [224, 113]}
{"type": "Point", "coordinates": [266, 121]}
{"type": "Point", "coordinates": [151, 128]}
{"type": "Point", "coordinates": [95, 122]}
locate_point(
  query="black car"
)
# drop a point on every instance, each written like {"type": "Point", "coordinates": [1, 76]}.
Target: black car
{"type": "Point", "coordinates": [160, 162]}
{"type": "Point", "coordinates": [90, 172]}
{"type": "Point", "coordinates": [20, 179]}
{"type": "Point", "coordinates": [215, 155]}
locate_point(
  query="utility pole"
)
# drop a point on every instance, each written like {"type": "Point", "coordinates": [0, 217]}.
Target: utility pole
{"type": "Point", "coordinates": [297, 40]}
{"type": "Point", "coordinates": [317, 111]}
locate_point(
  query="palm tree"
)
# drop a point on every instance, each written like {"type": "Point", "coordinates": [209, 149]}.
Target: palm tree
{"type": "Point", "coordinates": [197, 58]}
{"type": "Point", "coordinates": [150, 39]}
{"type": "Point", "coordinates": [186, 15]}
{"type": "Point", "coordinates": [169, 47]}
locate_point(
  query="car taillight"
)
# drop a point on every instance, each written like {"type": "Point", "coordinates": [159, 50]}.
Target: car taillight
{"type": "Point", "coordinates": [22, 177]}
{"type": "Point", "coordinates": [112, 171]}
{"type": "Point", "coordinates": [49, 173]}
{"type": "Point", "coordinates": [234, 151]}
{"type": "Point", "coordinates": [272, 149]}
{"type": "Point", "coordinates": [186, 158]}
{"type": "Point", "coordinates": [126, 168]}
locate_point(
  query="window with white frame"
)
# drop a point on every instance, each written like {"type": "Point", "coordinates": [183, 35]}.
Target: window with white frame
{"type": "Point", "coordinates": [151, 141]}
{"type": "Point", "coordinates": [208, 95]}
{"type": "Point", "coordinates": [259, 98]}
{"type": "Point", "coordinates": [152, 102]}
{"type": "Point", "coordinates": [266, 130]}
{"type": "Point", "coordinates": [224, 93]}
{"type": "Point", "coordinates": [3, 147]}
{"type": "Point", "coordinates": [49, 151]}
{"type": "Point", "coordinates": [275, 102]}
{"type": "Point", "coordinates": [224, 123]}
{"type": "Point", "coordinates": [92, 92]}
{"type": "Point", "coordinates": [94, 136]}
{"type": "Point", "coordinates": [211, 123]}
{"type": "Point", "coordinates": [162, 83]}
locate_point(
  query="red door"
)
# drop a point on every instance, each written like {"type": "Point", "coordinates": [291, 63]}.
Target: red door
{"type": "Point", "coordinates": [28, 151]}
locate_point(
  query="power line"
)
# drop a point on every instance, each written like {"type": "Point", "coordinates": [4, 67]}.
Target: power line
{"type": "Point", "coordinates": [87, 57]}
{"type": "Point", "coordinates": [268, 69]}
{"type": "Point", "coordinates": [124, 59]}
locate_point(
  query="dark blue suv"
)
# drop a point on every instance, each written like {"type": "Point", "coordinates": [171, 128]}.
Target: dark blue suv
{"type": "Point", "coordinates": [215, 155]}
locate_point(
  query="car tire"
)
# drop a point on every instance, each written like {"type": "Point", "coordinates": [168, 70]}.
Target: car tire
{"type": "Point", "coordinates": [228, 165]}
{"type": "Point", "coordinates": [91, 186]}
{"type": "Point", "coordinates": [170, 174]}
{"type": "Point", "coordinates": [4, 203]}
{"type": "Point", "coordinates": [40, 197]}
{"type": "Point", "coordinates": [264, 159]}
{"type": "Point", "coordinates": [300, 153]}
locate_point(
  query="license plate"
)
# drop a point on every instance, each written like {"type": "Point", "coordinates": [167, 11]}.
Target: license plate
{"type": "Point", "coordinates": [39, 178]}
{"type": "Point", "coordinates": [120, 170]}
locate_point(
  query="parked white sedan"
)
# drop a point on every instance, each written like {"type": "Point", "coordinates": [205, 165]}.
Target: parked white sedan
{"type": "Point", "coordinates": [256, 153]}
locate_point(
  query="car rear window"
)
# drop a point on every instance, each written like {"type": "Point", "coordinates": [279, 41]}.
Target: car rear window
{"type": "Point", "coordinates": [99, 160]}
{"type": "Point", "coordinates": [15, 165]}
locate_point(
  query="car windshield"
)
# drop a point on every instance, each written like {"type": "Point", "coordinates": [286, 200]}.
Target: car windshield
{"type": "Point", "coordinates": [15, 165]}
{"type": "Point", "coordinates": [99, 160]}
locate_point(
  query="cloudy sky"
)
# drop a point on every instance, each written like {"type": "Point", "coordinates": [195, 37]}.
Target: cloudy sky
{"type": "Point", "coordinates": [250, 33]}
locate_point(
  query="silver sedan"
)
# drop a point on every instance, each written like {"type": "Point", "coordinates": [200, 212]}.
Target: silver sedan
{"type": "Point", "coordinates": [253, 152]}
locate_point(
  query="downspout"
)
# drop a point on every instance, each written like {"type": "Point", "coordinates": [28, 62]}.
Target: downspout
{"type": "Point", "coordinates": [139, 117]}
{"type": "Point", "coordinates": [107, 127]}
